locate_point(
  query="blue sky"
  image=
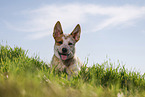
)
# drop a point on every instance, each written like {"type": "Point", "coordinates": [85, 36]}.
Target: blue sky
{"type": "Point", "coordinates": [112, 28]}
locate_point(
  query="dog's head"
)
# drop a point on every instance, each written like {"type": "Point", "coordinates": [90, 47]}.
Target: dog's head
{"type": "Point", "coordinates": [64, 47]}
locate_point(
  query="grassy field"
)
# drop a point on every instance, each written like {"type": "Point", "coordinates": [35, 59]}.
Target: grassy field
{"type": "Point", "coordinates": [22, 76]}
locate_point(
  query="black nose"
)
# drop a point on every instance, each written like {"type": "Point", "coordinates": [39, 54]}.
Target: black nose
{"type": "Point", "coordinates": [64, 50]}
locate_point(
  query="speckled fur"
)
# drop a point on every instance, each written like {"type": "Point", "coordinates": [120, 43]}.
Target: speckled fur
{"type": "Point", "coordinates": [72, 64]}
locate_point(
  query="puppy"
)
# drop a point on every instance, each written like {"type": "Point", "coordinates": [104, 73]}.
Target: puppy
{"type": "Point", "coordinates": [64, 57]}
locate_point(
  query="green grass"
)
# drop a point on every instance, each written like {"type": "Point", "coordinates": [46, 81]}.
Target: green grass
{"type": "Point", "coordinates": [22, 76]}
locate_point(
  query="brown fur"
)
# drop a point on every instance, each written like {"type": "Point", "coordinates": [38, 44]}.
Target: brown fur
{"type": "Point", "coordinates": [66, 60]}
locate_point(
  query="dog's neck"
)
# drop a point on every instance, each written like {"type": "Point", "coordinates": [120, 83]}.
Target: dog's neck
{"type": "Point", "coordinates": [67, 62]}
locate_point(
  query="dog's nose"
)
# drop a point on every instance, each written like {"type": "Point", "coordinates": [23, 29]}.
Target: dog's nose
{"type": "Point", "coordinates": [64, 50]}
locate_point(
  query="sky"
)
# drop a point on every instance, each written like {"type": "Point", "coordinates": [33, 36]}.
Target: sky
{"type": "Point", "coordinates": [110, 29]}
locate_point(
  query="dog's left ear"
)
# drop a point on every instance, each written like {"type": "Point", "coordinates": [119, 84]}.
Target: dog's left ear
{"type": "Point", "coordinates": [57, 30]}
{"type": "Point", "coordinates": [76, 33]}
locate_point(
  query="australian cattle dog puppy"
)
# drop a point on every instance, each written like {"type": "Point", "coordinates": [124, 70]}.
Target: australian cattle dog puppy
{"type": "Point", "coordinates": [64, 57]}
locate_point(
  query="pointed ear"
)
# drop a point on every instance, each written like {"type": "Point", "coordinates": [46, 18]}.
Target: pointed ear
{"type": "Point", "coordinates": [57, 30]}
{"type": "Point", "coordinates": [76, 33]}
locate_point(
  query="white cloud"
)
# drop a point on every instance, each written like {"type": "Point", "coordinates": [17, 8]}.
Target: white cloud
{"type": "Point", "coordinates": [43, 19]}
{"type": "Point", "coordinates": [37, 35]}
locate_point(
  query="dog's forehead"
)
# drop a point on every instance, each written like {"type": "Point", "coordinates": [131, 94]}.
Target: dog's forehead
{"type": "Point", "coordinates": [67, 37]}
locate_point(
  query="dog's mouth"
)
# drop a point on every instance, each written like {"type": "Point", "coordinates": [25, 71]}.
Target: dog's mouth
{"type": "Point", "coordinates": [63, 56]}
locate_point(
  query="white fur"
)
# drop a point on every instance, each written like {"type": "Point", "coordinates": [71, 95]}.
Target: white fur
{"type": "Point", "coordinates": [72, 63]}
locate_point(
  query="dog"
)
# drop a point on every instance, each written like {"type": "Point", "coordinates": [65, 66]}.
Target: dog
{"type": "Point", "coordinates": [64, 58]}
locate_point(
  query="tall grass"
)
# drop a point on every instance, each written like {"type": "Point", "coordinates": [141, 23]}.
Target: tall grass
{"type": "Point", "coordinates": [23, 76]}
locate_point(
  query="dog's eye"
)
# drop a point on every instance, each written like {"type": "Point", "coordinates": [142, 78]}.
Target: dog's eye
{"type": "Point", "coordinates": [70, 44]}
{"type": "Point", "coordinates": [60, 42]}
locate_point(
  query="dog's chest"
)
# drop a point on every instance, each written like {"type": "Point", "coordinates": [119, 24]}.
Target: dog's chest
{"type": "Point", "coordinates": [70, 66]}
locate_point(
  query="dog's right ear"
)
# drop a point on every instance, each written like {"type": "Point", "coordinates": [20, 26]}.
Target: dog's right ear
{"type": "Point", "coordinates": [76, 33]}
{"type": "Point", "coordinates": [57, 30]}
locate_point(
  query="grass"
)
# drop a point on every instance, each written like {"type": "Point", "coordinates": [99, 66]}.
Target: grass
{"type": "Point", "coordinates": [22, 76]}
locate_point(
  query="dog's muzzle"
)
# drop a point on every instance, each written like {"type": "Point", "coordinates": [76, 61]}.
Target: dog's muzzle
{"type": "Point", "coordinates": [64, 54]}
